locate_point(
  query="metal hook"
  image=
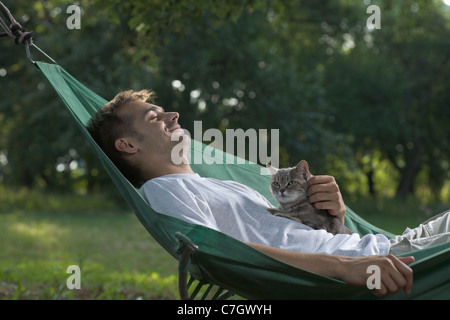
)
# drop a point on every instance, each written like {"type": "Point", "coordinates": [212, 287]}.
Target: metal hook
{"type": "Point", "coordinates": [27, 48]}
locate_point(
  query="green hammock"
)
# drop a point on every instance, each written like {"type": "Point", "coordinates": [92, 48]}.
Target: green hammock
{"type": "Point", "coordinates": [222, 262]}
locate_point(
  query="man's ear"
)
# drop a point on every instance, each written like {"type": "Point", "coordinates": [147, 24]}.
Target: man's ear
{"type": "Point", "coordinates": [124, 145]}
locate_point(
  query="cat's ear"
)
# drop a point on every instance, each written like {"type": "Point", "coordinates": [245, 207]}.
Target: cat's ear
{"type": "Point", "coordinates": [272, 170]}
{"type": "Point", "coordinates": [304, 169]}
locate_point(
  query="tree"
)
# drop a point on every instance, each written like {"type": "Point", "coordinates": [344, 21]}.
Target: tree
{"type": "Point", "coordinates": [337, 92]}
{"type": "Point", "coordinates": [42, 145]}
{"type": "Point", "coordinates": [389, 91]}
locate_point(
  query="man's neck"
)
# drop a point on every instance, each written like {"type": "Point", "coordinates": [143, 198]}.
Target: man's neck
{"type": "Point", "coordinates": [169, 169]}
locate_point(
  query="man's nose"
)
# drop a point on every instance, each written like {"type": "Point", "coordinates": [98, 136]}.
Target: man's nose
{"type": "Point", "coordinates": [170, 116]}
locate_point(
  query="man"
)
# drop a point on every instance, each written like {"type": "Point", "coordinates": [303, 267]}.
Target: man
{"type": "Point", "coordinates": [140, 137]}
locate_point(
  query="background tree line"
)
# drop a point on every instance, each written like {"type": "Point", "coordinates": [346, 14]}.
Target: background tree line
{"type": "Point", "coordinates": [368, 106]}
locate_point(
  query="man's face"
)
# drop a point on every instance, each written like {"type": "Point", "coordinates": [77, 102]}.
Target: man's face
{"type": "Point", "coordinates": [159, 130]}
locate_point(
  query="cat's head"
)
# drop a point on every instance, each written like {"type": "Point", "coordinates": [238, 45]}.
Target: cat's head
{"type": "Point", "coordinates": [289, 184]}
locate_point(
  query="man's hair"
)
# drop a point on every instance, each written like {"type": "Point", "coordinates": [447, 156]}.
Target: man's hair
{"type": "Point", "coordinates": [106, 127]}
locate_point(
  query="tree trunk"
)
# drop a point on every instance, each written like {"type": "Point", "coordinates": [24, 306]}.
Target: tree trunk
{"type": "Point", "coordinates": [408, 175]}
{"type": "Point", "coordinates": [369, 175]}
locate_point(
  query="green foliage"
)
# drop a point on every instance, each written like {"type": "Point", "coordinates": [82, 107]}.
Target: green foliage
{"type": "Point", "coordinates": [388, 92]}
{"type": "Point", "coordinates": [40, 141]}
{"type": "Point", "coordinates": [23, 199]}
{"type": "Point", "coordinates": [394, 215]}
{"type": "Point", "coordinates": [368, 106]}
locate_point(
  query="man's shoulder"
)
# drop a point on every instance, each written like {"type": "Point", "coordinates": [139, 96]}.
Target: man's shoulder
{"type": "Point", "coordinates": [174, 181]}
{"type": "Point", "coordinates": [171, 178]}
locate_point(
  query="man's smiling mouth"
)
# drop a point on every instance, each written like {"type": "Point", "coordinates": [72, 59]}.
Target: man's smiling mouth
{"type": "Point", "coordinates": [173, 128]}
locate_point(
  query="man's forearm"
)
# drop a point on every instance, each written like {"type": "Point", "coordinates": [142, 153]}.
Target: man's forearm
{"type": "Point", "coordinates": [326, 265]}
{"type": "Point", "coordinates": [394, 272]}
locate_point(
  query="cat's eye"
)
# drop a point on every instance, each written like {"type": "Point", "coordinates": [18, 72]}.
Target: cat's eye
{"type": "Point", "coordinates": [276, 184]}
{"type": "Point", "coordinates": [292, 183]}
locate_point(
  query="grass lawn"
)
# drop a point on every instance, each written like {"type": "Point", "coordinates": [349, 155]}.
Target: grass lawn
{"type": "Point", "coordinates": [42, 234]}
{"type": "Point", "coordinates": [393, 215]}
{"type": "Point", "coordinates": [118, 259]}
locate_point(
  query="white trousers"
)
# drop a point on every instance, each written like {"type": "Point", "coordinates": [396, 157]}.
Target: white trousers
{"type": "Point", "coordinates": [432, 232]}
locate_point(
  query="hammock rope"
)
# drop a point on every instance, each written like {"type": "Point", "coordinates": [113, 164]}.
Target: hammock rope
{"type": "Point", "coordinates": [15, 31]}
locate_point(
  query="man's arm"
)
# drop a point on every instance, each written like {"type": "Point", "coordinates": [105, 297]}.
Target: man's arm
{"type": "Point", "coordinates": [394, 272]}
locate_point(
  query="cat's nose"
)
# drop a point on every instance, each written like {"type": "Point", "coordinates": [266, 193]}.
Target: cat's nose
{"type": "Point", "coordinates": [281, 191]}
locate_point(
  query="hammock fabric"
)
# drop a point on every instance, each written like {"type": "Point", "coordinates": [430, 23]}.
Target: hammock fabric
{"type": "Point", "coordinates": [216, 259]}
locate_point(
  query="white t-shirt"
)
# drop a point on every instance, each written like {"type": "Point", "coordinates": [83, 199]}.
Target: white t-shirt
{"type": "Point", "coordinates": [239, 211]}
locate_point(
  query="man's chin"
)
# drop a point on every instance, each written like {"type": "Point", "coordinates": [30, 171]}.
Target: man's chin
{"type": "Point", "coordinates": [180, 135]}
{"type": "Point", "coordinates": [181, 147]}
{"type": "Point", "coordinates": [178, 132]}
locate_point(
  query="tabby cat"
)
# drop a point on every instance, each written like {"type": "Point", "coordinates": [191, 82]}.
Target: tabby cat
{"type": "Point", "coordinates": [289, 186]}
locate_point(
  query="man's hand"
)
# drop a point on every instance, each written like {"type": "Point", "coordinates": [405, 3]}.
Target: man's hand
{"type": "Point", "coordinates": [394, 273]}
{"type": "Point", "coordinates": [324, 193]}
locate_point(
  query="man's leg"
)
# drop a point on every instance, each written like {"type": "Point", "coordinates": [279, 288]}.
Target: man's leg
{"type": "Point", "coordinates": [432, 232]}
